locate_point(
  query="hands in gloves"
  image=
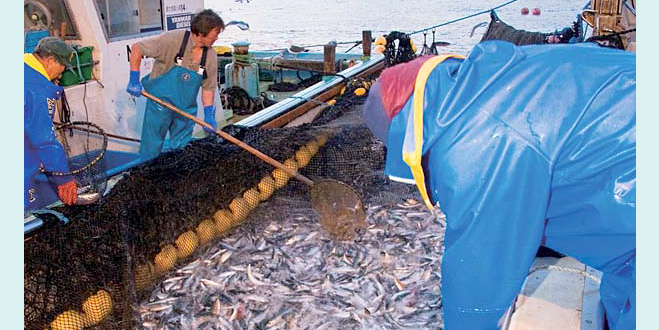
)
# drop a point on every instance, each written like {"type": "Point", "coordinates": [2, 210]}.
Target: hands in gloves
{"type": "Point", "coordinates": [134, 86]}
{"type": "Point", "coordinates": [68, 192]}
{"type": "Point", "coordinates": [209, 117]}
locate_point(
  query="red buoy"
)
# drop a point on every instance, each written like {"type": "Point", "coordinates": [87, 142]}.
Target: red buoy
{"type": "Point", "coordinates": [536, 11]}
{"type": "Point", "coordinates": [525, 11]}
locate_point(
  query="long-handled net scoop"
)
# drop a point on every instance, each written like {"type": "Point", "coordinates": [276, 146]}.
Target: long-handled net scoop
{"type": "Point", "coordinates": [339, 206]}
{"type": "Point", "coordinates": [85, 144]}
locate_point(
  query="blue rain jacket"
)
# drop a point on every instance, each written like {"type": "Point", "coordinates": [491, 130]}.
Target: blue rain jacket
{"type": "Point", "coordinates": [522, 144]}
{"type": "Point", "coordinates": [41, 145]}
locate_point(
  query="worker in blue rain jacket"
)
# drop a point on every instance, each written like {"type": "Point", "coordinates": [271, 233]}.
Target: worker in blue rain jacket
{"type": "Point", "coordinates": [520, 146]}
{"type": "Point", "coordinates": [41, 148]}
{"type": "Point", "coordinates": [183, 65]}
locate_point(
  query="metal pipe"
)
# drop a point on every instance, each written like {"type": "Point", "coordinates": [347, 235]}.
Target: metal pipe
{"type": "Point", "coordinates": [31, 224]}
{"type": "Point", "coordinates": [291, 102]}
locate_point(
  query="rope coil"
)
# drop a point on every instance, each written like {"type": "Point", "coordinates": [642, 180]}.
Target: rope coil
{"type": "Point", "coordinates": [566, 269]}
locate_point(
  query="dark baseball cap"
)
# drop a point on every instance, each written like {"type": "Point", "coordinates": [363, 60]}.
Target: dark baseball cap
{"type": "Point", "coordinates": [56, 47]}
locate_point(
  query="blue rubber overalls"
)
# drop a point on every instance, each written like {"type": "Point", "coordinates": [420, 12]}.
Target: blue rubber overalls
{"type": "Point", "coordinates": [520, 145]}
{"type": "Point", "coordinates": [178, 86]}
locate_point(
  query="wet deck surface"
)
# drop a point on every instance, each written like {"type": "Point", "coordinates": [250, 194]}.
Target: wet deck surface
{"type": "Point", "coordinates": [557, 296]}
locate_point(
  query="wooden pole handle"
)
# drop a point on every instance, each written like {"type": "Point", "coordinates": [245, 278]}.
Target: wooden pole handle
{"type": "Point", "coordinates": [231, 139]}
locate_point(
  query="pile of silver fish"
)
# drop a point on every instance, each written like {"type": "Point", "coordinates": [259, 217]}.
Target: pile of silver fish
{"type": "Point", "coordinates": [287, 273]}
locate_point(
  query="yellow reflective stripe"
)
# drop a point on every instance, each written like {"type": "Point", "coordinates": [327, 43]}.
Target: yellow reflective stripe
{"type": "Point", "coordinates": [32, 62]}
{"type": "Point", "coordinates": [413, 159]}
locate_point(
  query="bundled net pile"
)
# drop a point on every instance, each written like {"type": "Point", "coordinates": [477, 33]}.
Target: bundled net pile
{"type": "Point", "coordinates": [499, 30]}
{"type": "Point", "coordinates": [210, 237]}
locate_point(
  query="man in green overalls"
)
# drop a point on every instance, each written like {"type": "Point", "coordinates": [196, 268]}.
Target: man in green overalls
{"type": "Point", "coordinates": [183, 65]}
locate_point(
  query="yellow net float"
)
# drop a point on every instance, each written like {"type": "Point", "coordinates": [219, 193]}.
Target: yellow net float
{"type": "Point", "coordinates": [186, 244]}
{"type": "Point", "coordinates": [312, 146]}
{"type": "Point", "coordinates": [205, 231]}
{"type": "Point", "coordinates": [223, 220]}
{"type": "Point", "coordinates": [303, 156]}
{"type": "Point", "coordinates": [144, 274]}
{"type": "Point", "coordinates": [240, 209]}
{"type": "Point", "coordinates": [379, 49]}
{"type": "Point", "coordinates": [380, 41]}
{"type": "Point", "coordinates": [322, 139]}
{"type": "Point", "coordinates": [413, 46]}
{"type": "Point", "coordinates": [331, 102]}
{"type": "Point", "coordinates": [68, 320]}
{"type": "Point", "coordinates": [291, 164]}
{"type": "Point", "coordinates": [165, 259]}
{"type": "Point", "coordinates": [360, 91]}
{"type": "Point", "coordinates": [96, 308]}
{"type": "Point", "coordinates": [266, 187]}
{"type": "Point", "coordinates": [343, 90]}
{"type": "Point", "coordinates": [281, 177]}
{"type": "Point", "coordinates": [253, 197]}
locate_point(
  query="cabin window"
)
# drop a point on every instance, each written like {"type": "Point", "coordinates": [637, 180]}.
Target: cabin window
{"type": "Point", "coordinates": [53, 16]}
{"type": "Point", "coordinates": [127, 19]}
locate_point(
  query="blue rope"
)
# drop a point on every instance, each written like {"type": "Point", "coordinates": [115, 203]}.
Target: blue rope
{"type": "Point", "coordinates": [463, 18]}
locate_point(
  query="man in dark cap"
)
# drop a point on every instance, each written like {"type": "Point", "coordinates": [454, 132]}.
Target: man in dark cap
{"type": "Point", "coordinates": [41, 148]}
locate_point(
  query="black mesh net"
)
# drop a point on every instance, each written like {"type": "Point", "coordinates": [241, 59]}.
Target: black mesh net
{"type": "Point", "coordinates": [85, 144]}
{"type": "Point", "coordinates": [499, 30]}
{"type": "Point", "coordinates": [211, 237]}
{"type": "Point", "coordinates": [398, 49]}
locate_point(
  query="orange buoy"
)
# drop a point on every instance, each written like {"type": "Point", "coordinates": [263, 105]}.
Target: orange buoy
{"type": "Point", "coordinates": [96, 308]}
{"type": "Point", "coordinates": [303, 156]}
{"type": "Point", "coordinates": [360, 91]}
{"type": "Point", "coordinates": [240, 210]}
{"type": "Point", "coordinates": [165, 259]}
{"type": "Point", "coordinates": [223, 220]}
{"type": "Point", "coordinates": [186, 244]}
{"type": "Point", "coordinates": [266, 187]}
{"type": "Point", "coordinates": [253, 197]}
{"type": "Point", "coordinates": [68, 320]}
{"type": "Point", "coordinates": [205, 231]}
{"type": "Point", "coordinates": [281, 177]}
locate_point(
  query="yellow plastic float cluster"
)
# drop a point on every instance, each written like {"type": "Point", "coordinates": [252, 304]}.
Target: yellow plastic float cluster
{"type": "Point", "coordinates": [94, 310]}
{"type": "Point", "coordinates": [360, 91]}
{"type": "Point", "coordinates": [97, 307]}
{"type": "Point", "coordinates": [225, 219]}
{"type": "Point", "coordinates": [381, 42]}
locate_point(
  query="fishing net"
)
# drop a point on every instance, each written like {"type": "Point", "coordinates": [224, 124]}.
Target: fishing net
{"type": "Point", "coordinates": [499, 30]}
{"type": "Point", "coordinates": [212, 234]}
{"type": "Point", "coordinates": [84, 144]}
{"type": "Point", "coordinates": [237, 99]}
{"type": "Point", "coordinates": [398, 49]}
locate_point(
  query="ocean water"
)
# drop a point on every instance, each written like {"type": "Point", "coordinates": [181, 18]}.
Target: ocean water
{"type": "Point", "coordinates": [281, 23]}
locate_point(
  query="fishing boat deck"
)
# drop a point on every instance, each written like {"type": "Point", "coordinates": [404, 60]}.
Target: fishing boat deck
{"type": "Point", "coordinates": [558, 294]}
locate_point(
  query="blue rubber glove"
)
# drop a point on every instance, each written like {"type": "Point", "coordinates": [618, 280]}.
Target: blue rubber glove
{"type": "Point", "coordinates": [134, 86]}
{"type": "Point", "coordinates": [209, 117]}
